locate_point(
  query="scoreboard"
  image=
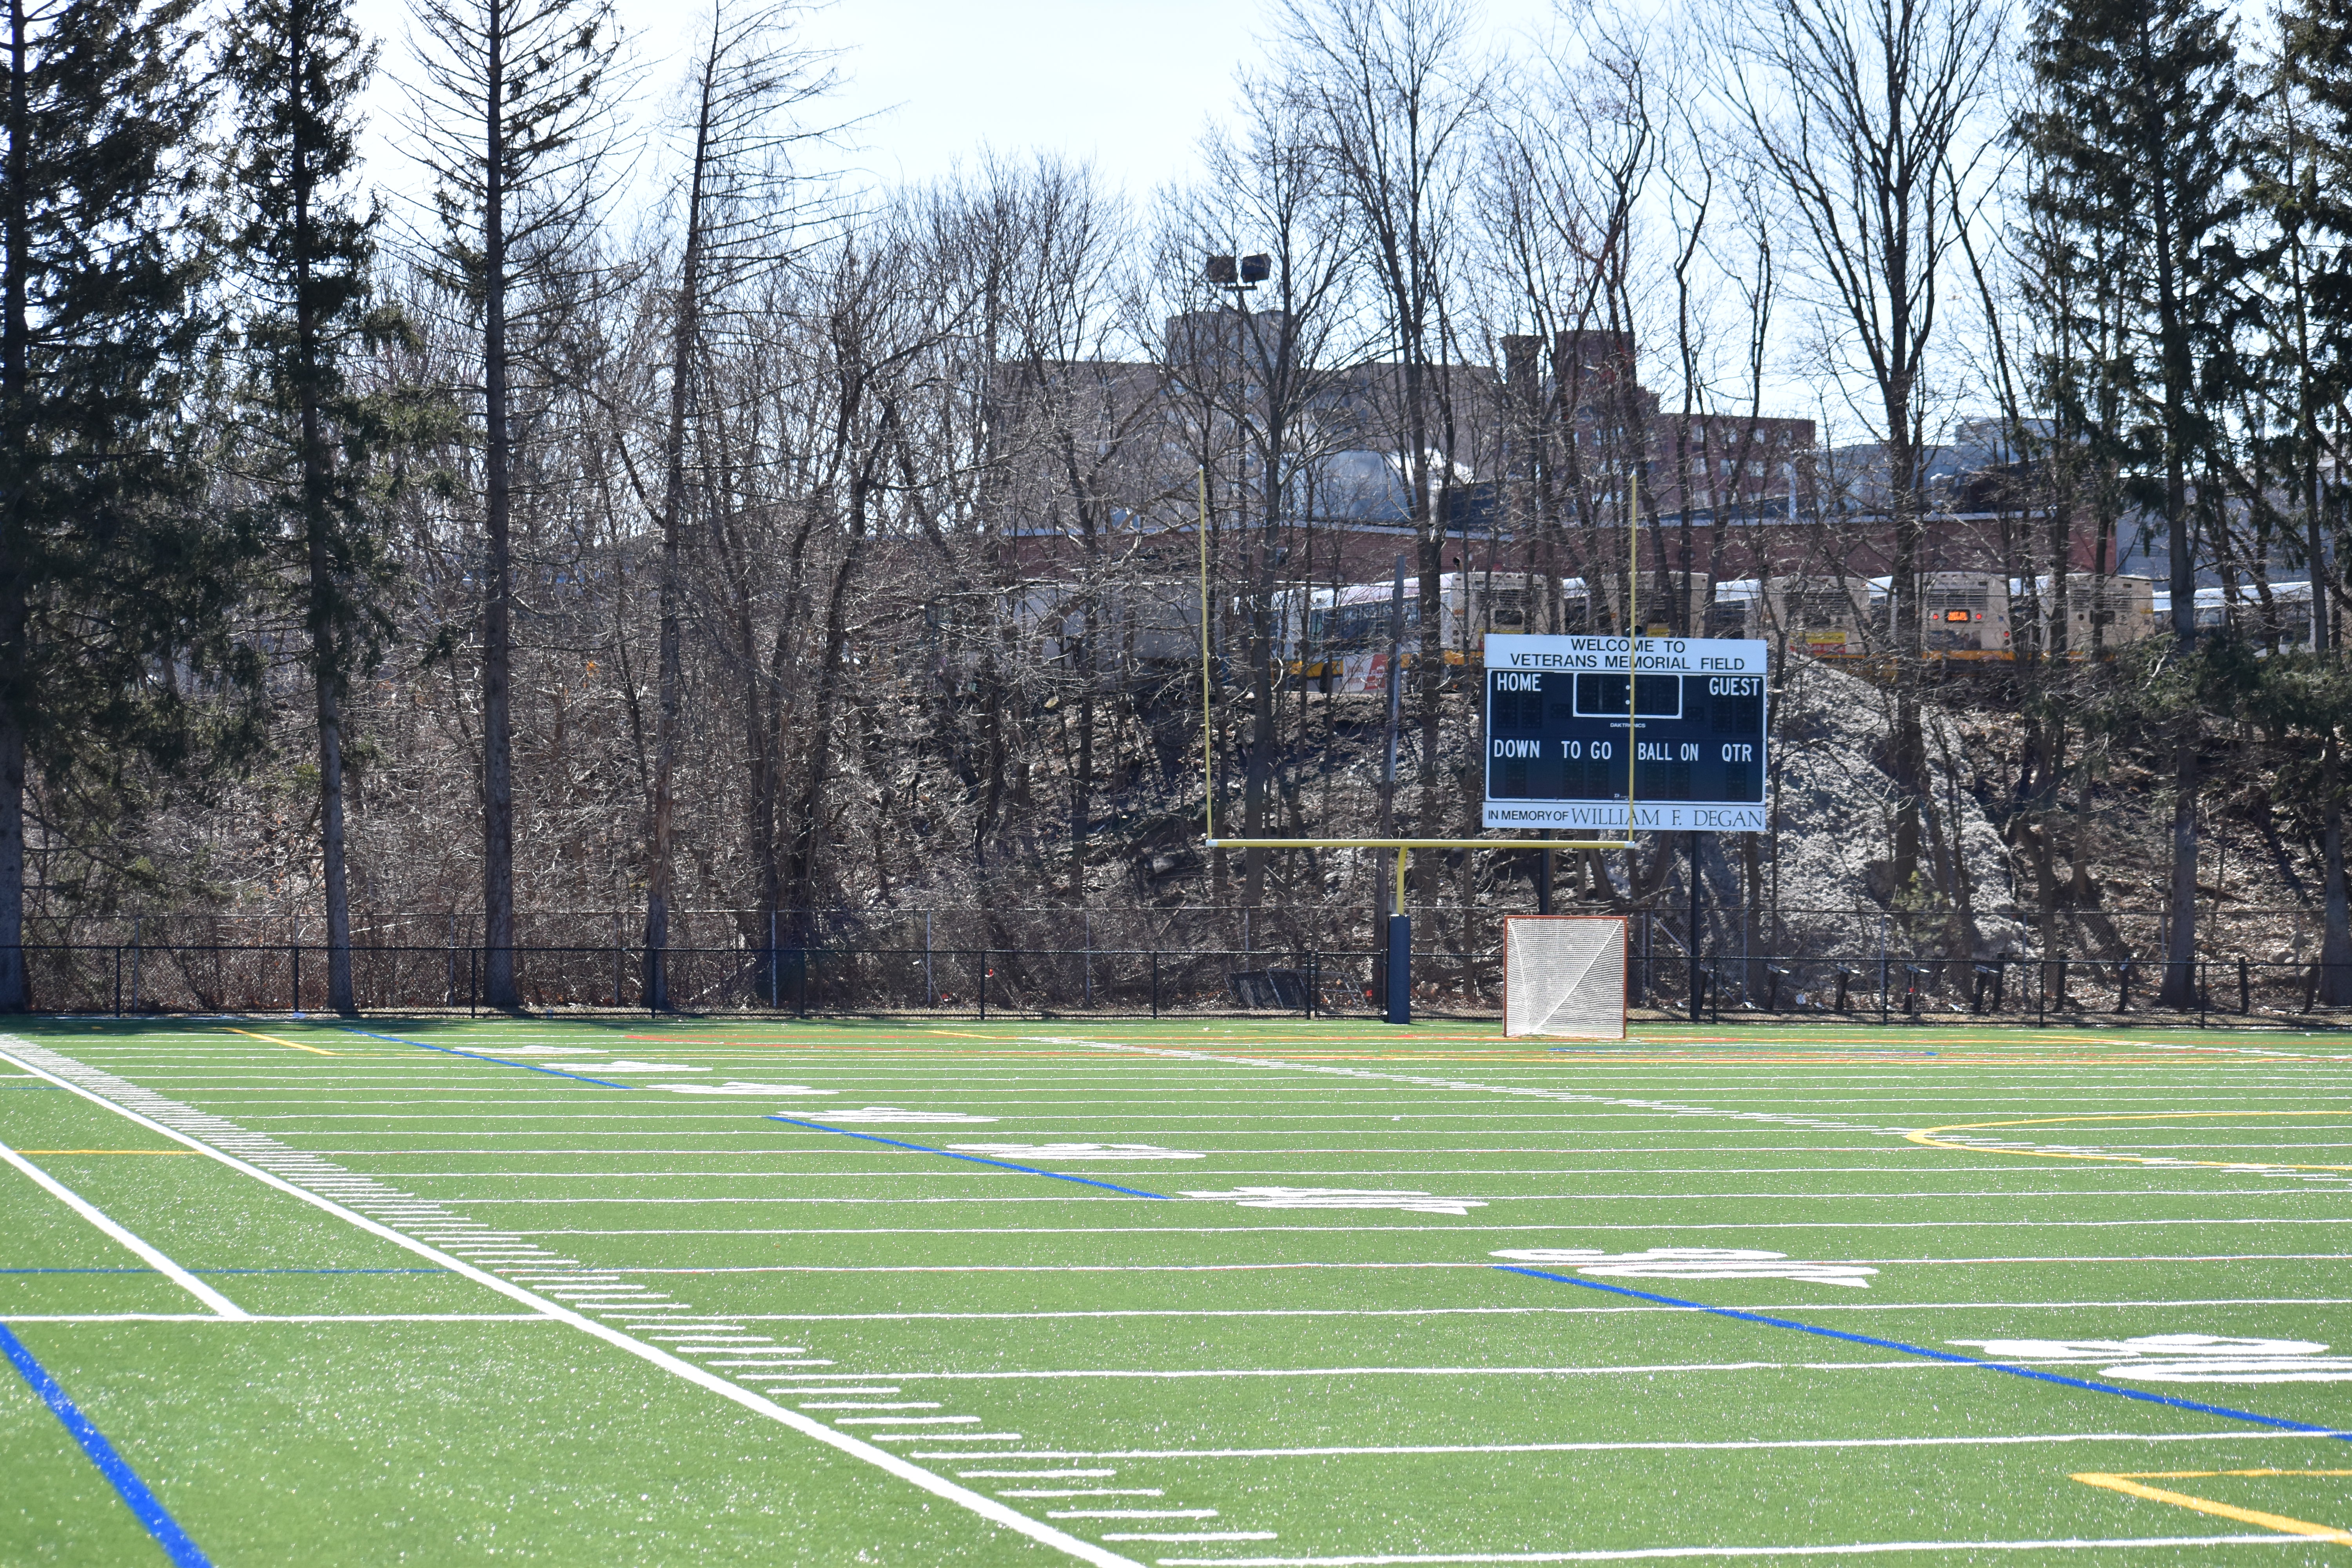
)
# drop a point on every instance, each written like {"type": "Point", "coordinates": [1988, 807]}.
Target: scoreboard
{"type": "Point", "coordinates": [1560, 741]}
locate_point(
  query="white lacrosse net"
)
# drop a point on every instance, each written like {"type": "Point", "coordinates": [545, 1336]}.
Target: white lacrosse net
{"type": "Point", "coordinates": [1564, 974]}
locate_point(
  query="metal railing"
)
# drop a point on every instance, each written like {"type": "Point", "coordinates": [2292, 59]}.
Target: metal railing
{"type": "Point", "coordinates": [1887, 988]}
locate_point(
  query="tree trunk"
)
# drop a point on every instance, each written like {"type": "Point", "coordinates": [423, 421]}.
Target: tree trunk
{"type": "Point", "coordinates": [684, 325]}
{"type": "Point", "coordinates": [2181, 946]}
{"type": "Point", "coordinates": [1082, 774]}
{"type": "Point", "coordinates": [808, 814]}
{"type": "Point", "coordinates": [15, 986]}
{"type": "Point", "coordinates": [658, 872]}
{"type": "Point", "coordinates": [1261, 753]}
{"type": "Point", "coordinates": [498, 632]}
{"type": "Point", "coordinates": [325, 611]}
{"type": "Point", "coordinates": [2336, 944]}
{"type": "Point", "coordinates": [1903, 626]}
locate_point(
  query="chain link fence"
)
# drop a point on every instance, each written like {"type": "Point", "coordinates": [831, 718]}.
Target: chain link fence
{"type": "Point", "coordinates": [1449, 980]}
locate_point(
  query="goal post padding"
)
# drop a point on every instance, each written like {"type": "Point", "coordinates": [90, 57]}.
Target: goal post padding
{"type": "Point", "coordinates": [1564, 974]}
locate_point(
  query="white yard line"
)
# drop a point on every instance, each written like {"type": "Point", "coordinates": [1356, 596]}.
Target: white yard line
{"type": "Point", "coordinates": [24, 1054]}
{"type": "Point", "coordinates": [1752, 1444]}
{"type": "Point", "coordinates": [154, 1256]}
{"type": "Point", "coordinates": [1633, 1554]}
{"type": "Point", "coordinates": [1528, 1311]}
{"type": "Point", "coordinates": [1337, 1228]}
{"type": "Point", "coordinates": [1908, 1363]}
{"type": "Point", "coordinates": [1279, 1268]}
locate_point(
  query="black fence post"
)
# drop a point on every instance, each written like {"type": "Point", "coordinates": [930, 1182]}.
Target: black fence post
{"type": "Point", "coordinates": [296, 951]}
{"type": "Point", "coordinates": [2245, 990]}
{"type": "Point", "coordinates": [118, 980]}
{"type": "Point", "coordinates": [800, 982]}
{"type": "Point", "coordinates": [983, 985]}
{"type": "Point", "coordinates": [1155, 984]}
{"type": "Point", "coordinates": [473, 978]}
{"type": "Point", "coordinates": [2123, 986]}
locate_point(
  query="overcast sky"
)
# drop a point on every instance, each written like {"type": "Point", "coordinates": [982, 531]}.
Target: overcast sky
{"type": "Point", "coordinates": [1129, 84]}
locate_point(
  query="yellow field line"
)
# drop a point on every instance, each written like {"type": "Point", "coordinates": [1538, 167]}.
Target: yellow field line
{"type": "Point", "coordinates": [1926, 1138]}
{"type": "Point", "coordinates": [2199, 1475]}
{"type": "Point", "coordinates": [291, 1045]}
{"type": "Point", "coordinates": [2226, 1511]}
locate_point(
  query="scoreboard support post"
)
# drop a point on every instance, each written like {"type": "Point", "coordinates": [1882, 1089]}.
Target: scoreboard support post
{"type": "Point", "coordinates": [1697, 915]}
{"type": "Point", "coordinates": [1397, 971]}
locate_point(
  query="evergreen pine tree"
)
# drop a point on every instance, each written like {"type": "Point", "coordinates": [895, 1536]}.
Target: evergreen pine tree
{"type": "Point", "coordinates": [2138, 124]}
{"type": "Point", "coordinates": [515, 117]}
{"type": "Point", "coordinates": [297, 68]}
{"type": "Point", "coordinates": [112, 575]}
{"type": "Point", "coordinates": [2303, 181]}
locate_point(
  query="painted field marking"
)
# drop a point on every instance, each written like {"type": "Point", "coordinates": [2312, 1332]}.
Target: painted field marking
{"type": "Point", "coordinates": [273, 1039]}
{"type": "Point", "coordinates": [1558, 1096]}
{"type": "Point", "coordinates": [2128, 1484]}
{"type": "Point", "coordinates": [2010, 1369]}
{"type": "Point", "coordinates": [969, 1159]}
{"type": "Point", "coordinates": [496, 1061]}
{"type": "Point", "coordinates": [179, 1151]}
{"type": "Point", "coordinates": [1636, 1555]}
{"type": "Point", "coordinates": [134, 1492]}
{"type": "Point", "coordinates": [274, 1318]}
{"type": "Point", "coordinates": [153, 1255]}
{"type": "Point", "coordinates": [1130, 1513]}
{"type": "Point", "coordinates": [1524, 1311]}
{"type": "Point", "coordinates": [987, 1508]}
{"type": "Point", "coordinates": [1926, 1137]}
{"type": "Point", "coordinates": [1644, 1369]}
{"type": "Point", "coordinates": [1631, 1445]}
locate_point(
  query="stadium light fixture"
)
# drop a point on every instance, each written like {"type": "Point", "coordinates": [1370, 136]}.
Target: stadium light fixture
{"type": "Point", "coordinates": [1245, 273]}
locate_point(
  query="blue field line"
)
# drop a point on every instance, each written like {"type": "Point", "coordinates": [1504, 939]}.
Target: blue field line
{"type": "Point", "coordinates": [2031, 1374]}
{"type": "Point", "coordinates": [501, 1061]}
{"type": "Point", "coordinates": [971, 1159]}
{"type": "Point", "coordinates": [183, 1552]}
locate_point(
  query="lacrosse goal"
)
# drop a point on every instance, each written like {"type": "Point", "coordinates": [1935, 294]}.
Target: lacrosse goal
{"type": "Point", "coordinates": [1564, 974]}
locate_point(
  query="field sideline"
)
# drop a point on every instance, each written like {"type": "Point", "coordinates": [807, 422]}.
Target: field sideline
{"type": "Point", "coordinates": [627, 1291]}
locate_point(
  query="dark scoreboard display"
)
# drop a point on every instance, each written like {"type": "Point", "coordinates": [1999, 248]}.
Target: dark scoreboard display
{"type": "Point", "coordinates": [1560, 741]}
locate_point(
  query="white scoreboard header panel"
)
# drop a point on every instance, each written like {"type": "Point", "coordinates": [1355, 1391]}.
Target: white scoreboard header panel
{"type": "Point", "coordinates": [1560, 743]}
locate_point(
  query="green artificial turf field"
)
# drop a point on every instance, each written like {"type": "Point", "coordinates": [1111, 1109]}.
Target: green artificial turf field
{"type": "Point", "coordinates": [679, 1293]}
